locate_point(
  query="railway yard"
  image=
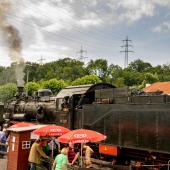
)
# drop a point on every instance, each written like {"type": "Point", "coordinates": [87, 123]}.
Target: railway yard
{"type": "Point", "coordinates": [135, 125]}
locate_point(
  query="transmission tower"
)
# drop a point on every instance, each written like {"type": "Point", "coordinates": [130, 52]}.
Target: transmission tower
{"type": "Point", "coordinates": [81, 56]}
{"type": "Point", "coordinates": [41, 60]}
{"type": "Point", "coordinates": [126, 50]}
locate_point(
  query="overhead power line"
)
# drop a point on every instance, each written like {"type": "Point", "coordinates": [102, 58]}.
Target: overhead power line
{"type": "Point", "coordinates": [126, 50]}
{"type": "Point", "coordinates": [58, 35]}
{"type": "Point", "coordinates": [75, 27]}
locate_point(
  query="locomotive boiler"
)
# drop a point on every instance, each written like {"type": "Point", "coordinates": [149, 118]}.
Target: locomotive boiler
{"type": "Point", "coordinates": [34, 108]}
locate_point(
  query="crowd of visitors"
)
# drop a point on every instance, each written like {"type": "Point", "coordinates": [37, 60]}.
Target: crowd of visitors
{"type": "Point", "coordinates": [62, 159]}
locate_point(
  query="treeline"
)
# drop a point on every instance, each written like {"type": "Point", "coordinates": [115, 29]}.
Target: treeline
{"type": "Point", "coordinates": [63, 72]}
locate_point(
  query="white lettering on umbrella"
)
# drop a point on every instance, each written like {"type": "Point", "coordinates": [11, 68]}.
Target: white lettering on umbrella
{"type": "Point", "coordinates": [55, 130]}
{"type": "Point", "coordinates": [80, 135]}
{"type": "Point", "coordinates": [80, 141]}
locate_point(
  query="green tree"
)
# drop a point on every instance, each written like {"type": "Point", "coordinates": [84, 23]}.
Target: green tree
{"type": "Point", "coordinates": [88, 79]}
{"type": "Point", "coordinates": [165, 72]}
{"type": "Point", "coordinates": [132, 78]}
{"type": "Point", "coordinates": [54, 85]}
{"type": "Point", "coordinates": [32, 87]}
{"type": "Point", "coordinates": [66, 69]}
{"type": "Point", "coordinates": [140, 66]}
{"type": "Point", "coordinates": [98, 67]}
{"type": "Point", "coordinates": [119, 82]}
{"type": "Point", "coordinates": [36, 72]}
{"type": "Point", "coordinates": [7, 75]}
{"type": "Point", "coordinates": [7, 91]}
{"type": "Point", "coordinates": [151, 78]}
{"type": "Point", "coordinates": [114, 72]}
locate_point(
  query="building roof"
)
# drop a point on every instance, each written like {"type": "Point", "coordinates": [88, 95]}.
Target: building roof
{"type": "Point", "coordinates": [82, 89]}
{"type": "Point", "coordinates": [70, 90]}
{"type": "Point", "coordinates": [159, 86]}
{"type": "Point", "coordinates": [26, 128]}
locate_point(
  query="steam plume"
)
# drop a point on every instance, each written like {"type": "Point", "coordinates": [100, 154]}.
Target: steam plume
{"type": "Point", "coordinates": [13, 40]}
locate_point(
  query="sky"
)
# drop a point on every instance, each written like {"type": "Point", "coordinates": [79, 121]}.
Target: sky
{"type": "Point", "coordinates": [55, 29]}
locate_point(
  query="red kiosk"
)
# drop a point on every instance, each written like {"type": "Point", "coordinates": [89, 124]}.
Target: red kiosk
{"type": "Point", "coordinates": [19, 147]}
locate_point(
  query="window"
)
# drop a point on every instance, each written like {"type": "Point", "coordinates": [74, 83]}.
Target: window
{"type": "Point", "coordinates": [26, 144]}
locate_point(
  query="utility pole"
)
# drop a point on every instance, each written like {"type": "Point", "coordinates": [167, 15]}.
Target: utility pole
{"type": "Point", "coordinates": [41, 60]}
{"type": "Point", "coordinates": [126, 50]}
{"type": "Point", "coordinates": [27, 78]}
{"type": "Point", "coordinates": [81, 57]}
{"type": "Point", "coordinates": [27, 82]}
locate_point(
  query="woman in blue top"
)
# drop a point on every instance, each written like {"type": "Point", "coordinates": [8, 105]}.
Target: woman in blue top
{"type": "Point", "coordinates": [61, 162]}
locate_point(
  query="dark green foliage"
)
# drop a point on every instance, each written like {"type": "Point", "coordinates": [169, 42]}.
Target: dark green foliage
{"type": "Point", "coordinates": [7, 91]}
{"type": "Point", "coordinates": [98, 67]}
{"type": "Point", "coordinates": [32, 87]}
{"type": "Point", "coordinates": [54, 85]}
{"type": "Point", "coordinates": [88, 79]}
{"type": "Point", "coordinates": [63, 72]}
{"type": "Point", "coordinates": [140, 66]}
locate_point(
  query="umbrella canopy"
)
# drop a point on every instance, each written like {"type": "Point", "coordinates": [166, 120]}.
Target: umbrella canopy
{"type": "Point", "coordinates": [51, 130]}
{"type": "Point", "coordinates": [21, 124]}
{"type": "Point", "coordinates": [81, 136]}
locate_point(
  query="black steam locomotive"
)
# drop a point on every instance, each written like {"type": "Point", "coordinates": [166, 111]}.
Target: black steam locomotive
{"type": "Point", "coordinates": [137, 125]}
{"type": "Point", "coordinates": [22, 108]}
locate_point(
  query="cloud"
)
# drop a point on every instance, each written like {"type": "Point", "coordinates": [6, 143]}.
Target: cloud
{"type": "Point", "coordinates": [57, 15]}
{"type": "Point", "coordinates": [164, 27]}
{"type": "Point", "coordinates": [57, 26]}
{"type": "Point", "coordinates": [90, 19]}
{"type": "Point", "coordinates": [41, 45]}
{"type": "Point", "coordinates": [134, 10]}
{"type": "Point", "coordinates": [161, 2]}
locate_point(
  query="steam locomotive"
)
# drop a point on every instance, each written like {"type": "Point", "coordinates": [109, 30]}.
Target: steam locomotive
{"type": "Point", "coordinates": [22, 108]}
{"type": "Point", "coordinates": [136, 124]}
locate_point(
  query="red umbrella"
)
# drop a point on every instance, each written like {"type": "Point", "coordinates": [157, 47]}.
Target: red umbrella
{"type": "Point", "coordinates": [21, 124]}
{"type": "Point", "coordinates": [51, 130]}
{"type": "Point", "coordinates": [81, 136]}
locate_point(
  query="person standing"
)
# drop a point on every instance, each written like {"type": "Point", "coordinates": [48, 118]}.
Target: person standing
{"type": "Point", "coordinates": [54, 147]}
{"type": "Point", "coordinates": [88, 153]}
{"type": "Point", "coordinates": [73, 154]}
{"type": "Point", "coordinates": [61, 161]}
{"type": "Point", "coordinates": [3, 138]}
{"type": "Point", "coordinates": [36, 153]}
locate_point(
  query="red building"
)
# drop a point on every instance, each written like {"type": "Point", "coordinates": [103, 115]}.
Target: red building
{"type": "Point", "coordinates": [19, 147]}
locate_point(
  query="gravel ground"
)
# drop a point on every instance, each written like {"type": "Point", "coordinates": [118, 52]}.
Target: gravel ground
{"type": "Point", "coordinates": [3, 163]}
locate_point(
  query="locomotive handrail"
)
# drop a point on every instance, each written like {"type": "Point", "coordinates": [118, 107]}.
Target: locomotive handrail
{"type": "Point", "coordinates": [101, 117]}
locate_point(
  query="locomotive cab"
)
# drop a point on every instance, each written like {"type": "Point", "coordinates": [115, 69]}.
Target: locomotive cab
{"type": "Point", "coordinates": [70, 101]}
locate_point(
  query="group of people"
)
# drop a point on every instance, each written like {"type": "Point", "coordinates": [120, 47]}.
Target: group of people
{"type": "Point", "coordinates": [62, 159]}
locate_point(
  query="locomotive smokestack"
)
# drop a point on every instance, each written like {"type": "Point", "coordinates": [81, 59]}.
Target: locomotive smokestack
{"type": "Point", "coordinates": [20, 91]}
{"type": "Point", "coordinates": [12, 40]}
